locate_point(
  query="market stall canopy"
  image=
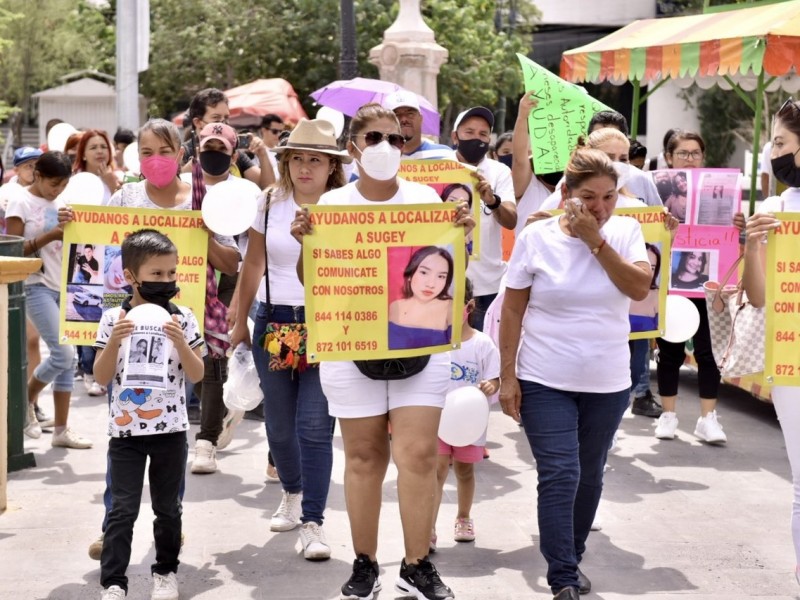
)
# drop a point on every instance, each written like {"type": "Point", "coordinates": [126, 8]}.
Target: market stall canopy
{"type": "Point", "coordinates": [717, 48]}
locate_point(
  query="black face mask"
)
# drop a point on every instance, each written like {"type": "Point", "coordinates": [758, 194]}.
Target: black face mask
{"type": "Point", "coordinates": [551, 179]}
{"type": "Point", "coordinates": [158, 292]}
{"type": "Point", "coordinates": [785, 170]}
{"type": "Point", "coordinates": [215, 163]}
{"type": "Point", "coordinates": [473, 151]}
{"type": "Point", "coordinates": [506, 159]}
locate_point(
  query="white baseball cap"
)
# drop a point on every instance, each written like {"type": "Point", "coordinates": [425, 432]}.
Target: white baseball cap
{"type": "Point", "coordinates": [402, 98]}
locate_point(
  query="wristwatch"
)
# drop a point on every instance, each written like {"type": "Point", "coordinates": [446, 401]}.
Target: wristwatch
{"type": "Point", "coordinates": [496, 204]}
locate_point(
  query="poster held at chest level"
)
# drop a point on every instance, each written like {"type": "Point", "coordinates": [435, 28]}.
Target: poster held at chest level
{"type": "Point", "coordinates": [648, 316]}
{"type": "Point", "coordinates": [782, 359]}
{"type": "Point", "coordinates": [92, 279]}
{"type": "Point", "coordinates": [383, 282]}
{"type": "Point", "coordinates": [453, 182]}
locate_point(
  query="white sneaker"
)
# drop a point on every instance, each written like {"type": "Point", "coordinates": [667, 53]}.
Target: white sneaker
{"type": "Point", "coordinates": [709, 430]}
{"type": "Point", "coordinates": [287, 517]}
{"type": "Point", "coordinates": [165, 587]}
{"type": "Point", "coordinates": [205, 457]}
{"type": "Point", "coordinates": [312, 537]}
{"type": "Point", "coordinates": [666, 426]}
{"type": "Point", "coordinates": [229, 423]}
{"type": "Point", "coordinates": [70, 439]}
{"type": "Point", "coordinates": [113, 593]}
{"type": "Point", "coordinates": [32, 427]}
{"type": "Point", "coordinates": [96, 389]}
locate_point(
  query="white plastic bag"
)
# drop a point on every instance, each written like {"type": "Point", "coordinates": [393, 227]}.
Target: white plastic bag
{"type": "Point", "coordinates": [242, 391]}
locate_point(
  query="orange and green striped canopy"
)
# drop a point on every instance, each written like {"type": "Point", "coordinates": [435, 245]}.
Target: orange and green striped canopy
{"type": "Point", "coordinates": [740, 41]}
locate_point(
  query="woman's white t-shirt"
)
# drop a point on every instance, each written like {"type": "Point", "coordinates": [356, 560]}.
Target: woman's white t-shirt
{"type": "Point", "coordinates": [283, 251]}
{"type": "Point", "coordinates": [788, 201]}
{"type": "Point", "coordinates": [408, 192]}
{"type": "Point", "coordinates": [38, 217]}
{"type": "Point", "coordinates": [576, 324]}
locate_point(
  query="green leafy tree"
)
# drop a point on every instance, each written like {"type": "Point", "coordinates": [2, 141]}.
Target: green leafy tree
{"type": "Point", "coordinates": [213, 43]}
{"type": "Point", "coordinates": [46, 39]}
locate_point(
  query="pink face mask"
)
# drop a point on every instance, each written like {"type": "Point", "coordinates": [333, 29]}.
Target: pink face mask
{"type": "Point", "coordinates": [159, 170]}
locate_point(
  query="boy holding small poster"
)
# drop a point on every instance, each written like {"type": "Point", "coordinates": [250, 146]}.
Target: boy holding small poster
{"type": "Point", "coordinates": [146, 422]}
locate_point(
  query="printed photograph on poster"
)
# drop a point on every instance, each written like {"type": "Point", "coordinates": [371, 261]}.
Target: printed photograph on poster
{"type": "Point", "coordinates": [84, 303]}
{"type": "Point", "coordinates": [718, 198]}
{"type": "Point", "coordinates": [145, 365]}
{"type": "Point", "coordinates": [420, 296]}
{"type": "Point", "coordinates": [692, 268]}
{"type": "Point", "coordinates": [115, 288]}
{"type": "Point", "coordinates": [643, 314]}
{"type": "Point", "coordinates": [85, 264]}
{"type": "Point", "coordinates": [459, 192]}
{"type": "Point", "coordinates": [675, 190]}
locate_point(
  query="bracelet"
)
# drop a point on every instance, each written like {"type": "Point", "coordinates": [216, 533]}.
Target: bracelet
{"type": "Point", "coordinates": [596, 251]}
{"type": "Point", "coordinates": [34, 247]}
{"type": "Point", "coordinates": [496, 205]}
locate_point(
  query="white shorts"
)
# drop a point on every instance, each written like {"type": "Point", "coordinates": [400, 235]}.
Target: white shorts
{"type": "Point", "coordinates": [351, 395]}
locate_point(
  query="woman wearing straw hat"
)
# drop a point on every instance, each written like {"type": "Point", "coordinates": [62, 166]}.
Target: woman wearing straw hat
{"type": "Point", "coordinates": [299, 429]}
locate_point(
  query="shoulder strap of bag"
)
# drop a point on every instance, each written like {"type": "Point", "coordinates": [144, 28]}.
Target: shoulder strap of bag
{"type": "Point", "coordinates": [267, 202]}
{"type": "Point", "coordinates": [717, 303]}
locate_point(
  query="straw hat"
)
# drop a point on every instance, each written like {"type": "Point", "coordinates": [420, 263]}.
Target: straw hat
{"type": "Point", "coordinates": [316, 135]}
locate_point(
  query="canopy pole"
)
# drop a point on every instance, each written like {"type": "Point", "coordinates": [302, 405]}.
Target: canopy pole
{"type": "Point", "coordinates": [759, 109]}
{"type": "Point", "coordinates": [740, 92]}
{"type": "Point", "coordinates": [637, 91]}
{"type": "Point", "coordinates": [653, 88]}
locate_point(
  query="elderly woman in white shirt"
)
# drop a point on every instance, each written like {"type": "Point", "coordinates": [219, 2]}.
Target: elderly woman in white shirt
{"type": "Point", "coordinates": [571, 279]}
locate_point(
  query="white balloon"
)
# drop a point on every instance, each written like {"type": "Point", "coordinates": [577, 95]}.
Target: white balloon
{"type": "Point", "coordinates": [465, 416]}
{"type": "Point", "coordinates": [57, 138]}
{"type": "Point", "coordinates": [84, 188]}
{"type": "Point", "coordinates": [148, 314]}
{"type": "Point", "coordinates": [130, 156]}
{"type": "Point", "coordinates": [332, 116]}
{"type": "Point", "coordinates": [682, 319]}
{"type": "Point", "coordinates": [229, 208]}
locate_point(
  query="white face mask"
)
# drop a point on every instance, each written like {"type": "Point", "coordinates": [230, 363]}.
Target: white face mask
{"type": "Point", "coordinates": [381, 162]}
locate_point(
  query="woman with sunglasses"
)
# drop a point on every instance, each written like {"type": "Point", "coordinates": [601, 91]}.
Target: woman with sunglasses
{"type": "Point", "coordinates": [685, 150]}
{"type": "Point", "coordinates": [785, 162]}
{"type": "Point", "coordinates": [365, 407]}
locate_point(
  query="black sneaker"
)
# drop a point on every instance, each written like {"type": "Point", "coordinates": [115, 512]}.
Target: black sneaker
{"type": "Point", "coordinates": [422, 581]}
{"type": "Point", "coordinates": [646, 406]}
{"type": "Point", "coordinates": [364, 581]}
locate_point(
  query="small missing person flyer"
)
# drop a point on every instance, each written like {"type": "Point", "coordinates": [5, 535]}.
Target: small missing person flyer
{"type": "Point", "coordinates": [146, 357]}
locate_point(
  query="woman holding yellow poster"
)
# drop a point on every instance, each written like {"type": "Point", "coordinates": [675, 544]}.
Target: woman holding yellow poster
{"type": "Point", "coordinates": [786, 168]}
{"type": "Point", "coordinates": [366, 405]}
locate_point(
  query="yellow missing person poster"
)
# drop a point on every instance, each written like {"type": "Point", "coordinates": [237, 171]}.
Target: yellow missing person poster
{"type": "Point", "coordinates": [92, 279]}
{"type": "Point", "coordinates": [648, 316]}
{"type": "Point", "coordinates": [453, 182]}
{"type": "Point", "coordinates": [383, 282]}
{"type": "Point", "coordinates": [782, 359]}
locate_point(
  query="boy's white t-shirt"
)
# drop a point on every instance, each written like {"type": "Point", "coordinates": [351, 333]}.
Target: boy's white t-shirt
{"type": "Point", "coordinates": [576, 324]}
{"type": "Point", "coordinates": [171, 402]}
{"type": "Point", "coordinates": [282, 252]}
{"type": "Point", "coordinates": [38, 217]}
{"type": "Point", "coordinates": [477, 359]}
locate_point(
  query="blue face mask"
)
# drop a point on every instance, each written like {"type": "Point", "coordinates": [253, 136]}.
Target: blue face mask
{"type": "Point", "coordinates": [506, 159]}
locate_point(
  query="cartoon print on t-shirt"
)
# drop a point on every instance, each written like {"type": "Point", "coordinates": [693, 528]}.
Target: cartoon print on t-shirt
{"type": "Point", "coordinates": [139, 397]}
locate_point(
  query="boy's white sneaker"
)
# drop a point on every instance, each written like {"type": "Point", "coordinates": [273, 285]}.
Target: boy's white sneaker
{"type": "Point", "coordinates": [709, 430]}
{"type": "Point", "coordinates": [205, 457]}
{"type": "Point", "coordinates": [666, 426]}
{"type": "Point", "coordinates": [113, 593]}
{"type": "Point", "coordinates": [165, 587]}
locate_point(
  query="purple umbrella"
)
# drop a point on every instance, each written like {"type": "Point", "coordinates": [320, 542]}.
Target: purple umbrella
{"type": "Point", "coordinates": [348, 95]}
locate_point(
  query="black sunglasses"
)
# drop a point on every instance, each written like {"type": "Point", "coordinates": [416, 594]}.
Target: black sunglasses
{"type": "Point", "coordinates": [275, 131]}
{"type": "Point", "coordinates": [788, 105]}
{"type": "Point", "coordinates": [373, 138]}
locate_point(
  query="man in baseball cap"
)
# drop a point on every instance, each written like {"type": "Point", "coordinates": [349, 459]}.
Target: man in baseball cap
{"type": "Point", "coordinates": [405, 105]}
{"type": "Point", "coordinates": [217, 148]}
